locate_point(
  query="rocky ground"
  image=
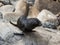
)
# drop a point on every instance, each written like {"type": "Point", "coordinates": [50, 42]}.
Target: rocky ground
{"type": "Point", "coordinates": [42, 36]}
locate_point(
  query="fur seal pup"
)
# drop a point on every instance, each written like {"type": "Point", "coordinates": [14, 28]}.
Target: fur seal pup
{"type": "Point", "coordinates": [27, 24]}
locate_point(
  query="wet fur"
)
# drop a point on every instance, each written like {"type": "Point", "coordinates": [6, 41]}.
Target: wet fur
{"type": "Point", "coordinates": [26, 25]}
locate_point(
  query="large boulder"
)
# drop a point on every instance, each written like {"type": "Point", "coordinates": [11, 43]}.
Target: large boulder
{"type": "Point", "coordinates": [12, 16]}
{"type": "Point", "coordinates": [7, 36]}
{"type": "Point", "coordinates": [42, 36]}
{"type": "Point", "coordinates": [54, 35]}
{"type": "Point", "coordinates": [45, 15]}
{"type": "Point", "coordinates": [48, 19]}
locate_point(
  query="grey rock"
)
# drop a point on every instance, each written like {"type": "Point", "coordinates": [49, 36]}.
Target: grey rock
{"type": "Point", "coordinates": [48, 19]}
{"type": "Point", "coordinates": [50, 24]}
{"type": "Point", "coordinates": [45, 15]}
{"type": "Point", "coordinates": [6, 2]}
{"type": "Point", "coordinates": [7, 36]}
{"type": "Point", "coordinates": [14, 2]}
{"type": "Point", "coordinates": [54, 40]}
{"type": "Point", "coordinates": [42, 36]}
{"type": "Point", "coordinates": [11, 16]}
{"type": "Point", "coordinates": [30, 1]}
{"type": "Point", "coordinates": [6, 8]}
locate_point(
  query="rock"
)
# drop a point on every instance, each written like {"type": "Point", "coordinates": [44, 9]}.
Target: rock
{"type": "Point", "coordinates": [48, 19]}
{"type": "Point", "coordinates": [8, 38]}
{"type": "Point", "coordinates": [51, 24]}
{"type": "Point", "coordinates": [6, 8]}
{"type": "Point", "coordinates": [30, 1]}
{"type": "Point", "coordinates": [45, 15]}
{"type": "Point", "coordinates": [5, 0]}
{"type": "Point", "coordinates": [6, 3]}
{"type": "Point", "coordinates": [20, 10]}
{"type": "Point", "coordinates": [12, 16]}
{"type": "Point", "coordinates": [22, 7]}
{"type": "Point", "coordinates": [54, 39]}
{"type": "Point", "coordinates": [14, 2]}
{"type": "Point", "coordinates": [6, 29]}
{"type": "Point", "coordinates": [9, 2]}
{"type": "Point", "coordinates": [42, 36]}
